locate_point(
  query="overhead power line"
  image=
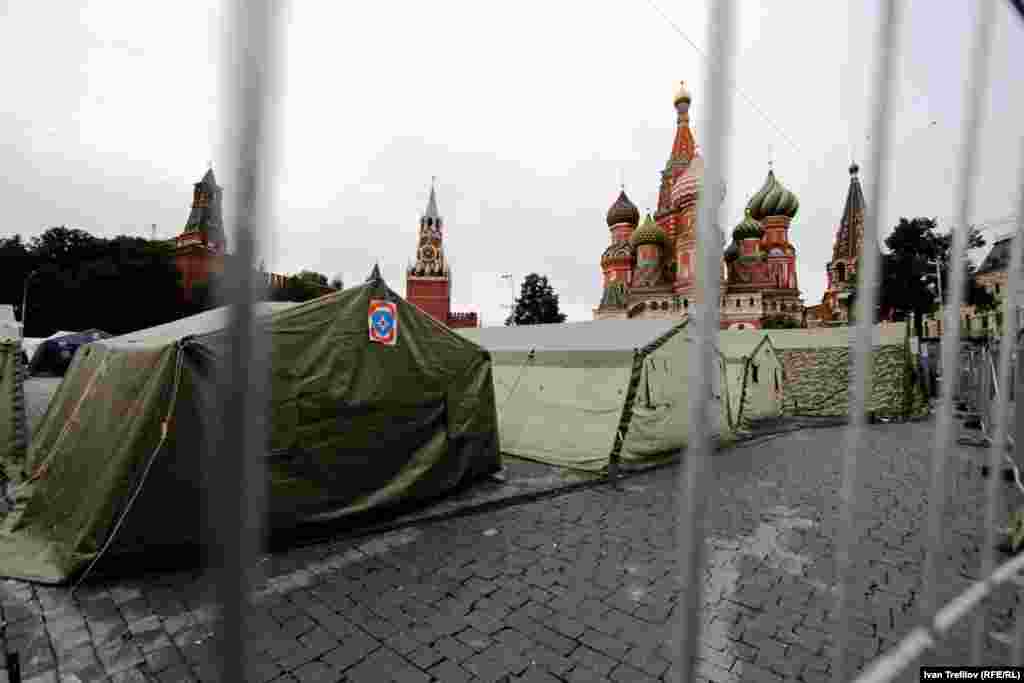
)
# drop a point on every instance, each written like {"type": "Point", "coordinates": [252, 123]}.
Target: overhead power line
{"type": "Point", "coordinates": [734, 86]}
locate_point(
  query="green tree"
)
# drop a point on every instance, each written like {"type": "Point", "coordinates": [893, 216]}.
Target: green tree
{"type": "Point", "coordinates": [117, 285]}
{"type": "Point", "coordinates": [908, 271]}
{"type": "Point", "coordinates": [537, 303]}
{"type": "Point", "coordinates": [312, 276]}
{"type": "Point", "coordinates": [16, 264]}
{"type": "Point", "coordinates": [304, 286]}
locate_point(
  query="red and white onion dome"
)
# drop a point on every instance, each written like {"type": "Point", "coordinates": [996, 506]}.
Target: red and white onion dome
{"type": "Point", "coordinates": [687, 187]}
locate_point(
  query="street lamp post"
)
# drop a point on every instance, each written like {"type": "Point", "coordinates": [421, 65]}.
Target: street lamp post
{"type": "Point", "coordinates": [508, 276]}
{"type": "Point", "coordinates": [24, 303]}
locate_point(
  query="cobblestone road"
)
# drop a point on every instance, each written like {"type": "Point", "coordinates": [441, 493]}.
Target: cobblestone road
{"type": "Point", "coordinates": [576, 588]}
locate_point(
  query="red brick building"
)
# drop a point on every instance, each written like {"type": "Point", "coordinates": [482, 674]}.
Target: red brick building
{"type": "Point", "coordinates": [428, 280]}
{"type": "Point", "coordinates": [201, 248]}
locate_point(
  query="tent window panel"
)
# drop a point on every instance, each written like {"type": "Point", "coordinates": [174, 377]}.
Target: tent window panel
{"type": "Point", "coordinates": [753, 373]}
{"type": "Point", "coordinates": [776, 376]}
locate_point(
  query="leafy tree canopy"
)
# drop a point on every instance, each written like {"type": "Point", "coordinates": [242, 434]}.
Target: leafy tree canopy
{"type": "Point", "coordinates": [537, 303]}
{"type": "Point", "coordinates": [909, 271]}
{"type": "Point", "coordinates": [304, 286]}
{"type": "Point", "coordinates": [81, 281]}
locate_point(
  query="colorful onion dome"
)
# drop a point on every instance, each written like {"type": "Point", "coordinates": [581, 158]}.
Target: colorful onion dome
{"type": "Point", "coordinates": [623, 211]}
{"type": "Point", "coordinates": [649, 233]}
{"type": "Point", "coordinates": [773, 200]}
{"type": "Point", "coordinates": [682, 94]}
{"type": "Point", "coordinates": [688, 185]}
{"type": "Point", "coordinates": [747, 228]}
{"type": "Point", "coordinates": [618, 252]}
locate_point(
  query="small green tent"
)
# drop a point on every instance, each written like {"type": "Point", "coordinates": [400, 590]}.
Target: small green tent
{"type": "Point", "coordinates": [568, 392]}
{"type": "Point", "coordinates": [755, 375]}
{"type": "Point", "coordinates": [354, 425]}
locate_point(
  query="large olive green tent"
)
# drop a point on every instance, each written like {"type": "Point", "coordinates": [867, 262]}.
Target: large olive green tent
{"type": "Point", "coordinates": [354, 425]}
{"type": "Point", "coordinates": [567, 392]}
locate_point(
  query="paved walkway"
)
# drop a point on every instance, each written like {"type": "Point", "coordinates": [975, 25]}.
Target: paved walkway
{"type": "Point", "coordinates": [580, 587]}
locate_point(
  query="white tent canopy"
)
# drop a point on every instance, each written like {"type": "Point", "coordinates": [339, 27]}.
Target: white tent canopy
{"type": "Point", "coordinates": [567, 393]}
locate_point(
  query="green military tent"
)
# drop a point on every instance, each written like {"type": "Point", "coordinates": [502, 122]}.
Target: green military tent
{"type": "Point", "coordinates": [567, 391]}
{"type": "Point", "coordinates": [354, 425]}
{"type": "Point", "coordinates": [818, 370]}
{"type": "Point", "coordinates": [755, 375]}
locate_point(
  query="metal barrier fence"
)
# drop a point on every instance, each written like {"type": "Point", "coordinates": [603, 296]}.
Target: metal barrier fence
{"type": "Point", "coordinates": [239, 496]}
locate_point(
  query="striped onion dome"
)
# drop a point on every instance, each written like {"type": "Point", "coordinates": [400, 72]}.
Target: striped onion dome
{"type": "Point", "coordinates": [747, 228]}
{"type": "Point", "coordinates": [649, 233]}
{"type": "Point", "coordinates": [773, 200]}
{"type": "Point", "coordinates": [688, 185]}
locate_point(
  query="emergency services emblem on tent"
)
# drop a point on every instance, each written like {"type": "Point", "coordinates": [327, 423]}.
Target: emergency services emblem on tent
{"type": "Point", "coordinates": [383, 322]}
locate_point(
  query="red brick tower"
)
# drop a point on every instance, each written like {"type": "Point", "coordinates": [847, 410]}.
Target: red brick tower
{"type": "Point", "coordinates": [200, 249]}
{"type": "Point", "coordinates": [428, 280]}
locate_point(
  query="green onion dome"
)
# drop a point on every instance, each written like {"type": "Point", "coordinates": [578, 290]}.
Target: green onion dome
{"type": "Point", "coordinates": [747, 228]}
{"type": "Point", "coordinates": [649, 233]}
{"type": "Point", "coordinates": [773, 200]}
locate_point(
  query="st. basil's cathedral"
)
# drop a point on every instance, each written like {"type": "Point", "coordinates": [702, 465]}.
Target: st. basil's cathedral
{"type": "Point", "coordinates": [649, 270]}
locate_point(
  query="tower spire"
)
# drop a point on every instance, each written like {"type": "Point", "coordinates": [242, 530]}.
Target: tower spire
{"type": "Point", "coordinates": [431, 211]}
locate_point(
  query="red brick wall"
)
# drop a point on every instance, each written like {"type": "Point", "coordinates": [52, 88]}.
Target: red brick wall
{"type": "Point", "coordinates": [432, 296]}
{"type": "Point", "coordinates": [195, 266]}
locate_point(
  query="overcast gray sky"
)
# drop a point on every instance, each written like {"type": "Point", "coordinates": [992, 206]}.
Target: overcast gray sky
{"type": "Point", "coordinates": [528, 112]}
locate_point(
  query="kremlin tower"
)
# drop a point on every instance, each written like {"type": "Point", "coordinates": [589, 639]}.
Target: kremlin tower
{"type": "Point", "coordinates": [428, 280]}
{"type": "Point", "coordinates": [200, 249]}
{"type": "Point", "coordinates": [649, 269]}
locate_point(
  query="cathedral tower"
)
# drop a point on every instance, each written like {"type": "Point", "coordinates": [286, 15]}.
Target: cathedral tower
{"type": "Point", "coordinates": [842, 269]}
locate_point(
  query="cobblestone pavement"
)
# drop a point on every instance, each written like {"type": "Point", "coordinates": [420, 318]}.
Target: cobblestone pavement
{"type": "Point", "coordinates": [581, 587]}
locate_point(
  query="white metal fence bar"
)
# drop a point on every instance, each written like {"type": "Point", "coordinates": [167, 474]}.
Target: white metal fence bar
{"type": "Point", "coordinates": [1013, 330]}
{"type": "Point", "coordinates": [950, 343]}
{"type": "Point", "coordinates": [861, 339]}
{"type": "Point", "coordinates": [693, 506]}
{"type": "Point", "coordinates": [975, 94]}
{"type": "Point", "coordinates": [237, 496]}
{"type": "Point", "coordinates": [920, 639]}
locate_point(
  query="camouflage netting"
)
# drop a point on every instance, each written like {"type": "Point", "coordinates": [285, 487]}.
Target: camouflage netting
{"type": "Point", "coordinates": [818, 382]}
